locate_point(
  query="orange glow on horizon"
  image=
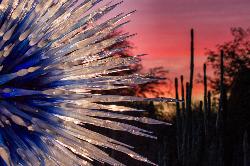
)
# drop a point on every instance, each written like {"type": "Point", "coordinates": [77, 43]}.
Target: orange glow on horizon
{"type": "Point", "coordinates": [163, 30]}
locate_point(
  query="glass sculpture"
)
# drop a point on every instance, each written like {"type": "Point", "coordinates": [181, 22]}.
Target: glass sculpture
{"type": "Point", "coordinates": [56, 59]}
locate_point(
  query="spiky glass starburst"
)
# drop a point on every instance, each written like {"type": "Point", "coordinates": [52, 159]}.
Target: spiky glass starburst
{"type": "Point", "coordinates": [56, 58]}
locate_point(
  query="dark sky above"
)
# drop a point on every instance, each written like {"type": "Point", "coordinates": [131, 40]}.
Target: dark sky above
{"type": "Point", "coordinates": [163, 25]}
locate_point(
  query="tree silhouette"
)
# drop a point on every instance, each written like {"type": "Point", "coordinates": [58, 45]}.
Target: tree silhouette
{"type": "Point", "coordinates": [158, 88]}
{"type": "Point", "coordinates": [236, 58]}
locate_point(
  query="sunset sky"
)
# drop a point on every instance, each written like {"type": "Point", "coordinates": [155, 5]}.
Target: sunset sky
{"type": "Point", "coordinates": [163, 29]}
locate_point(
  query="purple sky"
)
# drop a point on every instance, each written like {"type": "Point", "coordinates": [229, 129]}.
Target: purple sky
{"type": "Point", "coordinates": [163, 25]}
{"type": "Point", "coordinates": [163, 28]}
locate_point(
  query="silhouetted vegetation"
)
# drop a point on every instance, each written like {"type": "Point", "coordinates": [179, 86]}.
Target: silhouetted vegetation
{"type": "Point", "coordinates": [236, 58]}
{"type": "Point", "coordinates": [211, 132]}
{"type": "Point", "coordinates": [206, 134]}
{"type": "Point", "coordinates": [155, 89]}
